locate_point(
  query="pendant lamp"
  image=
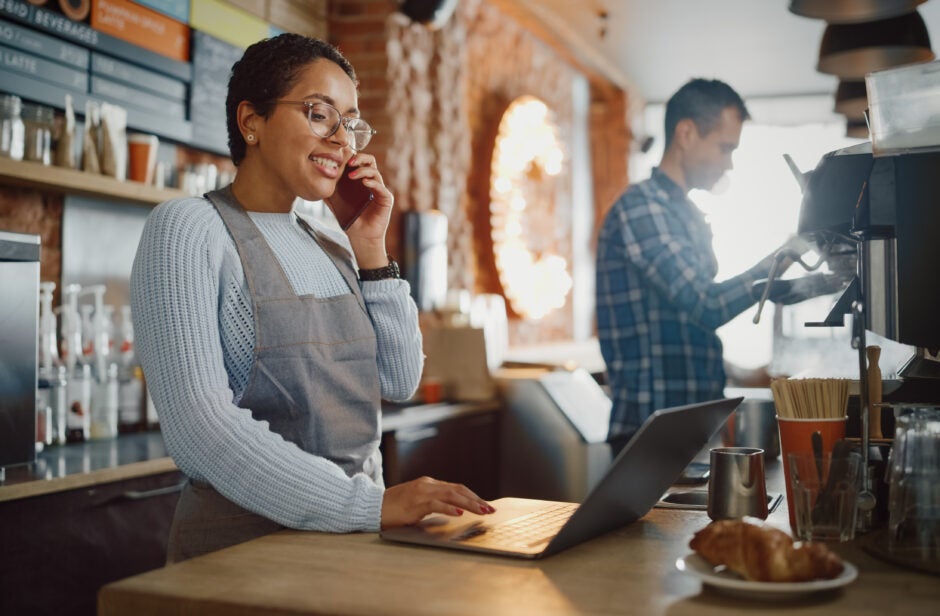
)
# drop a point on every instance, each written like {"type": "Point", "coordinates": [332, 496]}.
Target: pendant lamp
{"type": "Point", "coordinates": [851, 99]}
{"type": "Point", "coordinates": [850, 51]}
{"type": "Point", "coordinates": [852, 11]}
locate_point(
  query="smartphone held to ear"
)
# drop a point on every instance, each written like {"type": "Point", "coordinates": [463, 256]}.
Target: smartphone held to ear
{"type": "Point", "coordinates": [350, 200]}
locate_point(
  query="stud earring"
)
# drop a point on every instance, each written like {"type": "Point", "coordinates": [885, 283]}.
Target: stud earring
{"type": "Point", "coordinates": [250, 138]}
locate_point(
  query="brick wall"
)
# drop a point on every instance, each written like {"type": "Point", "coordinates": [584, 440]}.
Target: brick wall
{"type": "Point", "coordinates": [437, 97]}
{"type": "Point", "coordinates": [30, 211]}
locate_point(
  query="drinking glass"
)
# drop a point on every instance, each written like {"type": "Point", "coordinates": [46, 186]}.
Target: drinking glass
{"type": "Point", "coordinates": [824, 493]}
{"type": "Point", "coordinates": [914, 494]}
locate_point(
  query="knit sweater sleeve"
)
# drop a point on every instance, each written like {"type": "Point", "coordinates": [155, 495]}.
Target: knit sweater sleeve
{"type": "Point", "coordinates": [176, 285]}
{"type": "Point", "coordinates": [395, 319]}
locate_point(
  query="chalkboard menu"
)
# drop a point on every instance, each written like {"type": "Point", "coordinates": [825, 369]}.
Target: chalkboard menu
{"type": "Point", "coordinates": [212, 63]}
{"type": "Point", "coordinates": [44, 55]}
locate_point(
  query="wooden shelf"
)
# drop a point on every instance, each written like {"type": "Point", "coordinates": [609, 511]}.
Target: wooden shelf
{"type": "Point", "coordinates": [69, 181]}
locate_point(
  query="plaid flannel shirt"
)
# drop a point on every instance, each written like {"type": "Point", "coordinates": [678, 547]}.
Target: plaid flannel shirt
{"type": "Point", "coordinates": [658, 305]}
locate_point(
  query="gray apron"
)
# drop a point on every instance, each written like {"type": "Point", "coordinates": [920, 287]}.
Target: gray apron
{"type": "Point", "coordinates": [315, 381]}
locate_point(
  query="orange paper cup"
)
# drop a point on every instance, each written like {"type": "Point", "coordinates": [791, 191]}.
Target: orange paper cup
{"type": "Point", "coordinates": [142, 157]}
{"type": "Point", "coordinates": [796, 436]}
{"type": "Point", "coordinates": [432, 390]}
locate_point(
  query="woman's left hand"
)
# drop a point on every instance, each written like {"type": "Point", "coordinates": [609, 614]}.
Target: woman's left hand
{"type": "Point", "coordinates": [367, 233]}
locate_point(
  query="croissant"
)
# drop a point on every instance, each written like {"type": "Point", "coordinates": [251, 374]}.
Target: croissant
{"type": "Point", "coordinates": [764, 554]}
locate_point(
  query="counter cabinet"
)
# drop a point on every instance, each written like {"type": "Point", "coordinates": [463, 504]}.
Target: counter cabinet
{"type": "Point", "coordinates": [60, 548]}
{"type": "Point", "coordinates": [461, 449]}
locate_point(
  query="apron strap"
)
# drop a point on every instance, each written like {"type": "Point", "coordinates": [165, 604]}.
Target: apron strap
{"type": "Point", "coordinates": [340, 257]}
{"type": "Point", "coordinates": [265, 277]}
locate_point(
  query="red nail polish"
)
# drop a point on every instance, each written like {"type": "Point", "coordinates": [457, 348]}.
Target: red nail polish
{"type": "Point", "coordinates": [459, 512]}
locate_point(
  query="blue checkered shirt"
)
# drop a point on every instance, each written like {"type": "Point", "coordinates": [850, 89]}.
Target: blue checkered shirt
{"type": "Point", "coordinates": [658, 304]}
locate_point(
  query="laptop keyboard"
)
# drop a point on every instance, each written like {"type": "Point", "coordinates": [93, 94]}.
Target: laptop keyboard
{"type": "Point", "coordinates": [528, 530]}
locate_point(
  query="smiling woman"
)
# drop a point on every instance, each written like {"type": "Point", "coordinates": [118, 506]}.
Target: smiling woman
{"type": "Point", "coordinates": [268, 341]}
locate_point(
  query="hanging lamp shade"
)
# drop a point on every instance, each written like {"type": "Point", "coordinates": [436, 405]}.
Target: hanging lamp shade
{"type": "Point", "coordinates": [852, 11]}
{"type": "Point", "coordinates": [851, 99]}
{"type": "Point", "coordinates": [850, 51]}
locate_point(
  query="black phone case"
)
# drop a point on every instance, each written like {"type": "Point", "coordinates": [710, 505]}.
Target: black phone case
{"type": "Point", "coordinates": [350, 200]}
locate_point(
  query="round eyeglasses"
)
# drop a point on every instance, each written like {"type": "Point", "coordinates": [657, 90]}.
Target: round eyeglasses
{"type": "Point", "coordinates": [325, 119]}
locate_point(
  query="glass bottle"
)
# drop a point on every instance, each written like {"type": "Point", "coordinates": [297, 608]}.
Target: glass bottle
{"type": "Point", "coordinates": [78, 373]}
{"type": "Point", "coordinates": [37, 122]}
{"type": "Point", "coordinates": [51, 390]}
{"type": "Point", "coordinates": [11, 127]}
{"type": "Point", "coordinates": [131, 403]}
{"type": "Point", "coordinates": [51, 404]}
{"type": "Point", "coordinates": [104, 404]}
{"type": "Point", "coordinates": [78, 420]}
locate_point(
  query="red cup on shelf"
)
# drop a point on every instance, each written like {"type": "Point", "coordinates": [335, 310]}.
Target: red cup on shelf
{"type": "Point", "coordinates": [141, 157]}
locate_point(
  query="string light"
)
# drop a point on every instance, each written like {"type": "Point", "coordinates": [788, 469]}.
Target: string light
{"type": "Point", "coordinates": [526, 157]}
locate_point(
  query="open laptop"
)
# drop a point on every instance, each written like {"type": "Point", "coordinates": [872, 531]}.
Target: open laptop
{"type": "Point", "coordinates": [636, 479]}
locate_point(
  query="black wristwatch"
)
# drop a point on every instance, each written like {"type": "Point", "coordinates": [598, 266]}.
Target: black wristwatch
{"type": "Point", "coordinates": [382, 273]}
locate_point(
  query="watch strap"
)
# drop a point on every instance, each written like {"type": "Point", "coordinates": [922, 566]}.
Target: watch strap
{"type": "Point", "coordinates": [382, 273]}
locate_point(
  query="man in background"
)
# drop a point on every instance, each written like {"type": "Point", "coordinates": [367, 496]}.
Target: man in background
{"type": "Point", "coordinates": [658, 305]}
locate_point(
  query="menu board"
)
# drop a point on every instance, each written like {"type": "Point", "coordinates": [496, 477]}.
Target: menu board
{"type": "Point", "coordinates": [177, 9]}
{"type": "Point", "coordinates": [38, 67]}
{"type": "Point", "coordinates": [137, 76]}
{"type": "Point", "coordinates": [44, 55]}
{"type": "Point", "coordinates": [43, 45]}
{"type": "Point", "coordinates": [151, 30]}
{"type": "Point", "coordinates": [82, 34]}
{"type": "Point", "coordinates": [49, 56]}
{"type": "Point", "coordinates": [212, 64]}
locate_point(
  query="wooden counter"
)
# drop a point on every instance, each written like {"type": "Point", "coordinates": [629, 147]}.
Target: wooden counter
{"type": "Point", "coordinates": [627, 571]}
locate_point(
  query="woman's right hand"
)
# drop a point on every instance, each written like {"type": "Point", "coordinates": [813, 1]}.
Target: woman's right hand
{"type": "Point", "coordinates": [406, 503]}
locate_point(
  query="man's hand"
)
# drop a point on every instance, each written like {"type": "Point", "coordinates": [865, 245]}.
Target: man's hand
{"type": "Point", "coordinates": [793, 291]}
{"type": "Point", "coordinates": [408, 502]}
{"type": "Point", "coordinates": [739, 376]}
{"type": "Point", "coordinates": [787, 254]}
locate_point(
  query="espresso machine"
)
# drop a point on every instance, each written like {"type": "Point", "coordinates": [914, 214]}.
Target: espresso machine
{"type": "Point", "coordinates": [880, 215]}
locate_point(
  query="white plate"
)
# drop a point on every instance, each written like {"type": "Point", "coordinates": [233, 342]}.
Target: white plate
{"type": "Point", "coordinates": [731, 583]}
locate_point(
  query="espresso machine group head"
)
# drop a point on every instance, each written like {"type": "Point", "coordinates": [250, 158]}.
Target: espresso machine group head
{"type": "Point", "coordinates": [881, 215]}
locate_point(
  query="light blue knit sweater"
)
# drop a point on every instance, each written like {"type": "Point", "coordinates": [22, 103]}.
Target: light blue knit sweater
{"type": "Point", "coordinates": [195, 335]}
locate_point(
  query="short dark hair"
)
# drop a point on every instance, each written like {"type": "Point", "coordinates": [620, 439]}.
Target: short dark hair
{"type": "Point", "coordinates": [702, 101]}
{"type": "Point", "coordinates": [266, 71]}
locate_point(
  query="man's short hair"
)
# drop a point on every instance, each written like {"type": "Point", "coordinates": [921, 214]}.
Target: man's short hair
{"type": "Point", "coordinates": [702, 101]}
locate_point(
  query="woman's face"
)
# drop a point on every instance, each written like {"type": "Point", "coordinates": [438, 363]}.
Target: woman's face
{"type": "Point", "coordinates": [300, 162]}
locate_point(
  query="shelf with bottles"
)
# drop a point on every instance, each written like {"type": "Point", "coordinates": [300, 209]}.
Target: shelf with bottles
{"type": "Point", "coordinates": [30, 174]}
{"type": "Point", "coordinates": [93, 389]}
